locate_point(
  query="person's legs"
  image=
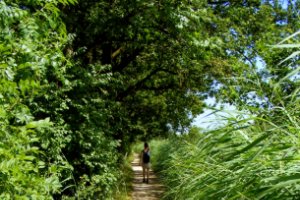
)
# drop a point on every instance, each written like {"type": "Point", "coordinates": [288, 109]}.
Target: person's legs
{"type": "Point", "coordinates": [143, 166]}
{"type": "Point", "coordinates": [147, 174]}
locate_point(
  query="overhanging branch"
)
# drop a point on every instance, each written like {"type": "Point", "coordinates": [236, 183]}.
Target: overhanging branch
{"type": "Point", "coordinates": [138, 85]}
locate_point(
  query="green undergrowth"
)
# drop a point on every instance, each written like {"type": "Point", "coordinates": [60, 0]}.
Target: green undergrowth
{"type": "Point", "coordinates": [137, 147]}
{"type": "Point", "coordinates": [124, 187]}
{"type": "Point", "coordinates": [257, 158]}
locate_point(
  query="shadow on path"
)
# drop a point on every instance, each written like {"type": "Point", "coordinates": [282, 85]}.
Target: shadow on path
{"type": "Point", "coordinates": [146, 191]}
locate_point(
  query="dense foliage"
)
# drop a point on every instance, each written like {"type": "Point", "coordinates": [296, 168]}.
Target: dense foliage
{"type": "Point", "coordinates": [32, 164]}
{"type": "Point", "coordinates": [164, 57]}
{"type": "Point", "coordinates": [51, 141]}
{"type": "Point", "coordinates": [82, 80]}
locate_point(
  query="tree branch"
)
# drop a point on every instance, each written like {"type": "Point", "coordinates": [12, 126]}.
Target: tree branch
{"type": "Point", "coordinates": [127, 60]}
{"type": "Point", "coordinates": [133, 88]}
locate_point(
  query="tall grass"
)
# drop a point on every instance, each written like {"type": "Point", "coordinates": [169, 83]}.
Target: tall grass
{"type": "Point", "coordinates": [123, 189]}
{"type": "Point", "coordinates": [260, 161]}
{"type": "Point", "coordinates": [254, 158]}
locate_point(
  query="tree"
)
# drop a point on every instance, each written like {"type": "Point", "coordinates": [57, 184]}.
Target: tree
{"type": "Point", "coordinates": [165, 56]}
{"type": "Point", "coordinates": [255, 86]}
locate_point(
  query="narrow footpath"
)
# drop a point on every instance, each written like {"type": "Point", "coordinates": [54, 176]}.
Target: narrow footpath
{"type": "Point", "coordinates": [145, 191]}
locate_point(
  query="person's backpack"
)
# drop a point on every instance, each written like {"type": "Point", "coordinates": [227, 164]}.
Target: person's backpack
{"type": "Point", "coordinates": [146, 157]}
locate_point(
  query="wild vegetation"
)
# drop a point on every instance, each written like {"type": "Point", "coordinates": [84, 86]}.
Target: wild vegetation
{"type": "Point", "coordinates": [254, 156]}
{"type": "Point", "coordinates": [80, 81]}
{"type": "Point", "coordinates": [239, 161]}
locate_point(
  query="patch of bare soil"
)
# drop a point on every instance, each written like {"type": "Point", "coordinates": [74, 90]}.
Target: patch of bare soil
{"type": "Point", "coordinates": [145, 191]}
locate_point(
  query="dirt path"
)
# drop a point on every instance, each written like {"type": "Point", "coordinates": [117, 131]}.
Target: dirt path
{"type": "Point", "coordinates": [145, 191]}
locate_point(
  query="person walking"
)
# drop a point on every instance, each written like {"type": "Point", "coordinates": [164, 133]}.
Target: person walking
{"type": "Point", "coordinates": [145, 162]}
